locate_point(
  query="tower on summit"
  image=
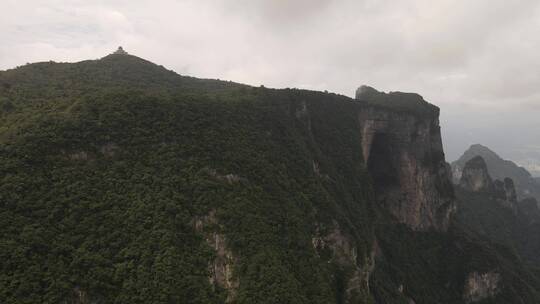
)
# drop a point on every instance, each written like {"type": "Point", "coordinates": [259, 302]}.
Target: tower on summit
{"type": "Point", "coordinates": [120, 51]}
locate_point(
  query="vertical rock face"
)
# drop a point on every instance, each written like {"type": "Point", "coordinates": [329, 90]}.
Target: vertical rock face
{"type": "Point", "coordinates": [481, 286]}
{"type": "Point", "coordinates": [510, 190]}
{"type": "Point", "coordinates": [505, 192]}
{"type": "Point", "coordinates": [221, 268]}
{"type": "Point", "coordinates": [475, 177]}
{"type": "Point", "coordinates": [403, 151]}
{"type": "Point", "coordinates": [344, 253]}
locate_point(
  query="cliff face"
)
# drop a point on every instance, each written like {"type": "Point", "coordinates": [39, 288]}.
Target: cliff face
{"type": "Point", "coordinates": [221, 267]}
{"type": "Point", "coordinates": [505, 192]}
{"type": "Point", "coordinates": [402, 148]}
{"type": "Point", "coordinates": [475, 177]}
{"type": "Point", "coordinates": [344, 255]}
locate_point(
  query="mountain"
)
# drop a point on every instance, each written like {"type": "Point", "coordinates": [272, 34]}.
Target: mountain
{"type": "Point", "coordinates": [526, 185]}
{"type": "Point", "coordinates": [124, 182]}
{"type": "Point", "coordinates": [491, 209]}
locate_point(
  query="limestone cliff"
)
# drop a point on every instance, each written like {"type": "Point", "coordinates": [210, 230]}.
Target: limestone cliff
{"type": "Point", "coordinates": [475, 177]}
{"type": "Point", "coordinates": [221, 268]}
{"type": "Point", "coordinates": [403, 151]}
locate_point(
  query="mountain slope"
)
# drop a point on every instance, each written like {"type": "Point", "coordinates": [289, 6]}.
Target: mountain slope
{"type": "Point", "coordinates": [526, 185]}
{"type": "Point", "coordinates": [134, 182]}
{"type": "Point", "coordinates": [124, 182]}
{"type": "Point", "coordinates": [494, 212]}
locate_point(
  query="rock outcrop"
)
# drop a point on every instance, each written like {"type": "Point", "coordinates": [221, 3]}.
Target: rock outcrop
{"type": "Point", "coordinates": [345, 255]}
{"type": "Point", "coordinates": [221, 268]}
{"type": "Point", "coordinates": [81, 296]}
{"type": "Point", "coordinates": [526, 186]}
{"type": "Point", "coordinates": [481, 286]}
{"type": "Point", "coordinates": [403, 151]}
{"type": "Point", "coordinates": [505, 192]}
{"type": "Point", "coordinates": [475, 177]}
{"type": "Point", "coordinates": [510, 190]}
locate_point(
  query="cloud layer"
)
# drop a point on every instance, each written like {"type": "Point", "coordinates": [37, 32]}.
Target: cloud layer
{"type": "Point", "coordinates": [478, 60]}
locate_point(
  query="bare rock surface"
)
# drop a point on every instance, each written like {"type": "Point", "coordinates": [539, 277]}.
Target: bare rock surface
{"type": "Point", "coordinates": [403, 150]}
{"type": "Point", "coordinates": [480, 286]}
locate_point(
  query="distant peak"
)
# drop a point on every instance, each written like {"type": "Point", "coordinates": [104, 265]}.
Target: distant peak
{"type": "Point", "coordinates": [478, 149]}
{"type": "Point", "coordinates": [120, 51]}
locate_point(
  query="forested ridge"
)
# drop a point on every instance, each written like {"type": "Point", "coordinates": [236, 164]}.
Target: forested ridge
{"type": "Point", "coordinates": [117, 175]}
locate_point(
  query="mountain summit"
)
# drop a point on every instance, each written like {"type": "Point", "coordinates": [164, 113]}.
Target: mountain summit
{"type": "Point", "coordinates": [120, 51]}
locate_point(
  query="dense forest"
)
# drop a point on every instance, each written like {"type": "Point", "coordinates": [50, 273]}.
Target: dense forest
{"type": "Point", "coordinates": [124, 182]}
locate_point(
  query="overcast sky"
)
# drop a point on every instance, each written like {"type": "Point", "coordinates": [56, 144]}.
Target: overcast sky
{"type": "Point", "coordinates": [479, 60]}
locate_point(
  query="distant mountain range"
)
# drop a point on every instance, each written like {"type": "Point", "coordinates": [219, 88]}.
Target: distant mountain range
{"type": "Point", "coordinates": [526, 185]}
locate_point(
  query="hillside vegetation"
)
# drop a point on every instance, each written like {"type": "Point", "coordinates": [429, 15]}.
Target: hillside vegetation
{"type": "Point", "coordinates": [119, 178]}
